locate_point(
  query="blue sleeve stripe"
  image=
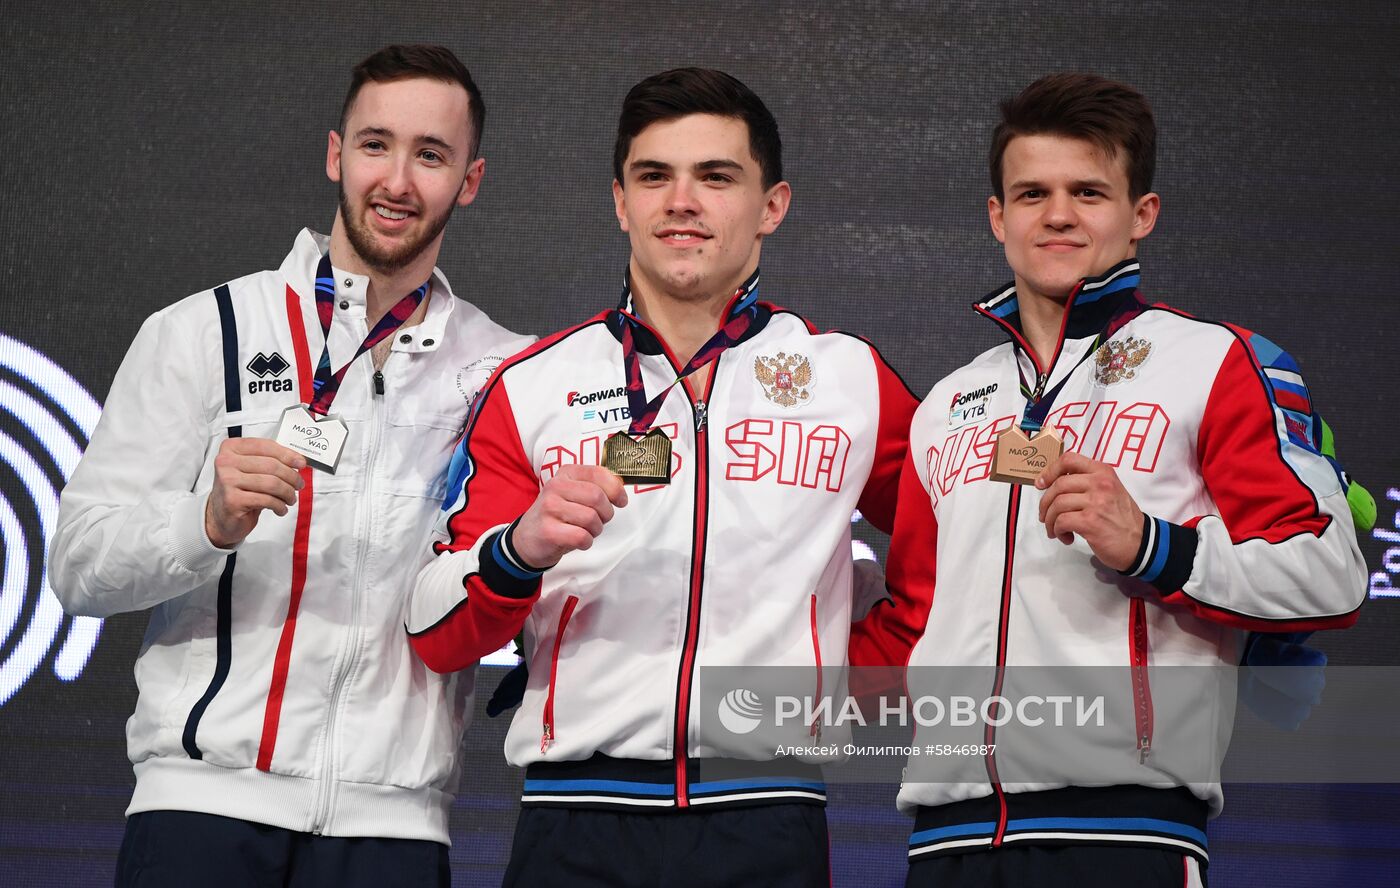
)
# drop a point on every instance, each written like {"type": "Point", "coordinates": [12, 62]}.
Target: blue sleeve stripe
{"type": "Point", "coordinates": [1264, 350]}
{"type": "Point", "coordinates": [506, 563]}
{"type": "Point", "coordinates": [459, 470]}
{"type": "Point", "coordinates": [1159, 558]}
{"type": "Point", "coordinates": [500, 574]}
{"type": "Point", "coordinates": [1168, 556]}
{"type": "Point", "coordinates": [1270, 356]}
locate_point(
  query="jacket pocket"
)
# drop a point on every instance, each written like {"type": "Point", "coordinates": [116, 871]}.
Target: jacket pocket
{"type": "Point", "coordinates": [174, 669]}
{"type": "Point", "coordinates": [547, 735]}
{"type": "Point", "coordinates": [1142, 687]}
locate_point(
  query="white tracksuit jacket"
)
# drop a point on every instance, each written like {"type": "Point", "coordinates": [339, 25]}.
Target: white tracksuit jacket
{"type": "Point", "coordinates": [276, 682]}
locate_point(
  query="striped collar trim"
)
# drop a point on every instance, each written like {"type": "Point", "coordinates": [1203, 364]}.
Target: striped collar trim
{"type": "Point", "coordinates": [1126, 275]}
{"type": "Point", "coordinates": [1094, 301]}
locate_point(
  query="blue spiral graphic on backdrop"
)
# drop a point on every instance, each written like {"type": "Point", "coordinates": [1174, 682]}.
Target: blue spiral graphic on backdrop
{"type": "Point", "coordinates": [46, 418]}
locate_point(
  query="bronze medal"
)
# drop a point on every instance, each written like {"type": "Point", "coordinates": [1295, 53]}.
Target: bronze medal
{"type": "Point", "coordinates": [1020, 458]}
{"type": "Point", "coordinates": [643, 462]}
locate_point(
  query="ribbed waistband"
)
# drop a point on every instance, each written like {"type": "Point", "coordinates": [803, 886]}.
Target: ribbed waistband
{"type": "Point", "coordinates": [1117, 815]}
{"type": "Point", "coordinates": [355, 809]}
{"type": "Point", "coordinates": [605, 782]}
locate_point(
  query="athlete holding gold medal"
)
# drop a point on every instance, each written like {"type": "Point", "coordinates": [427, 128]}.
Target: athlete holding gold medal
{"type": "Point", "coordinates": [736, 553]}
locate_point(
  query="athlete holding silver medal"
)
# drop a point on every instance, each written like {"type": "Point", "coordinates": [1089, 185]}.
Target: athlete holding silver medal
{"type": "Point", "coordinates": [276, 683]}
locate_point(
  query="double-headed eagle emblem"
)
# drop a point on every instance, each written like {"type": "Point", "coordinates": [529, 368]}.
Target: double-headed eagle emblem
{"type": "Point", "coordinates": [1117, 361]}
{"type": "Point", "coordinates": [785, 378]}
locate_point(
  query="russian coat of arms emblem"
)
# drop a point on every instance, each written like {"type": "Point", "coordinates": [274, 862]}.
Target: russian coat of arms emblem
{"type": "Point", "coordinates": [786, 379]}
{"type": "Point", "coordinates": [1117, 361]}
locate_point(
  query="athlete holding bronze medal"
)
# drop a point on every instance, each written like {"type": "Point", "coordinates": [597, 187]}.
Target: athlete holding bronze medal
{"type": "Point", "coordinates": [1194, 502]}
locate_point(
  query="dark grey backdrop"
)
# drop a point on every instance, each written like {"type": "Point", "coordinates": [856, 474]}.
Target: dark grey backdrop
{"type": "Point", "coordinates": [153, 151]}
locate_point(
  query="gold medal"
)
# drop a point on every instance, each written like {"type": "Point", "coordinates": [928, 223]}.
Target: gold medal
{"type": "Point", "coordinates": [647, 461]}
{"type": "Point", "coordinates": [1020, 459]}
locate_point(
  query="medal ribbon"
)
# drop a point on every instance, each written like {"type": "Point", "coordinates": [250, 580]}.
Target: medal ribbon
{"type": "Point", "coordinates": [327, 384]}
{"type": "Point", "coordinates": [644, 412]}
{"type": "Point", "coordinates": [1037, 411]}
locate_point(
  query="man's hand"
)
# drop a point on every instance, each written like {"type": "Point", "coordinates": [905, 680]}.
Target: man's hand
{"type": "Point", "coordinates": [1085, 497]}
{"type": "Point", "coordinates": [250, 474]}
{"type": "Point", "coordinates": [568, 514]}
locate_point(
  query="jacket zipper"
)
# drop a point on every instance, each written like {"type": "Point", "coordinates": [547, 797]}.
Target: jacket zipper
{"type": "Point", "coordinates": [817, 653]}
{"type": "Point", "coordinates": [1013, 509]}
{"type": "Point", "coordinates": [700, 412]}
{"type": "Point", "coordinates": [697, 578]}
{"type": "Point", "coordinates": [990, 733]}
{"type": "Point", "coordinates": [1142, 689]}
{"type": "Point", "coordinates": [362, 523]}
{"type": "Point", "coordinates": [547, 735]}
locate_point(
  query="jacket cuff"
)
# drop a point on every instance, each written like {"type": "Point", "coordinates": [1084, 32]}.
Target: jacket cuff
{"type": "Point", "coordinates": [502, 569]}
{"type": "Point", "coordinates": [1166, 555]}
{"type": "Point", "coordinates": [187, 542]}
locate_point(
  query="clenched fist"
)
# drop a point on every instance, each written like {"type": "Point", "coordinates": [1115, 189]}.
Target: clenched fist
{"type": "Point", "coordinates": [568, 514]}
{"type": "Point", "coordinates": [250, 474]}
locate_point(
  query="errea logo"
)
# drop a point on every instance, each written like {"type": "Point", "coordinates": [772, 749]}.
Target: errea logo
{"type": "Point", "coordinates": [264, 366]}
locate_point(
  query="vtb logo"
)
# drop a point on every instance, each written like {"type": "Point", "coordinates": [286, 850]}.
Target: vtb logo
{"type": "Point", "coordinates": [264, 366]}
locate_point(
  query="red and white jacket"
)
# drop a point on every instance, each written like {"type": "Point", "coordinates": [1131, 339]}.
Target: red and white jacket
{"type": "Point", "coordinates": [1211, 431]}
{"type": "Point", "coordinates": [743, 560]}
{"type": "Point", "coordinates": [276, 684]}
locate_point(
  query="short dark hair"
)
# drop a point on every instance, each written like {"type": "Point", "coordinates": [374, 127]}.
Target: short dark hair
{"type": "Point", "coordinates": [406, 61]}
{"type": "Point", "coordinates": [681, 92]}
{"type": "Point", "coordinates": [1115, 117]}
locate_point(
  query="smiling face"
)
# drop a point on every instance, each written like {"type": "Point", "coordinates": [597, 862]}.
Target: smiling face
{"type": "Point", "coordinates": [403, 165]}
{"type": "Point", "coordinates": [1067, 214]}
{"type": "Point", "coordinates": [694, 207]}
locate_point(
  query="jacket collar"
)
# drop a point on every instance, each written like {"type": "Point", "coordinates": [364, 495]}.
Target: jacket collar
{"type": "Point", "coordinates": [299, 270]}
{"type": "Point", "coordinates": [1098, 305]}
{"type": "Point", "coordinates": [745, 298]}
